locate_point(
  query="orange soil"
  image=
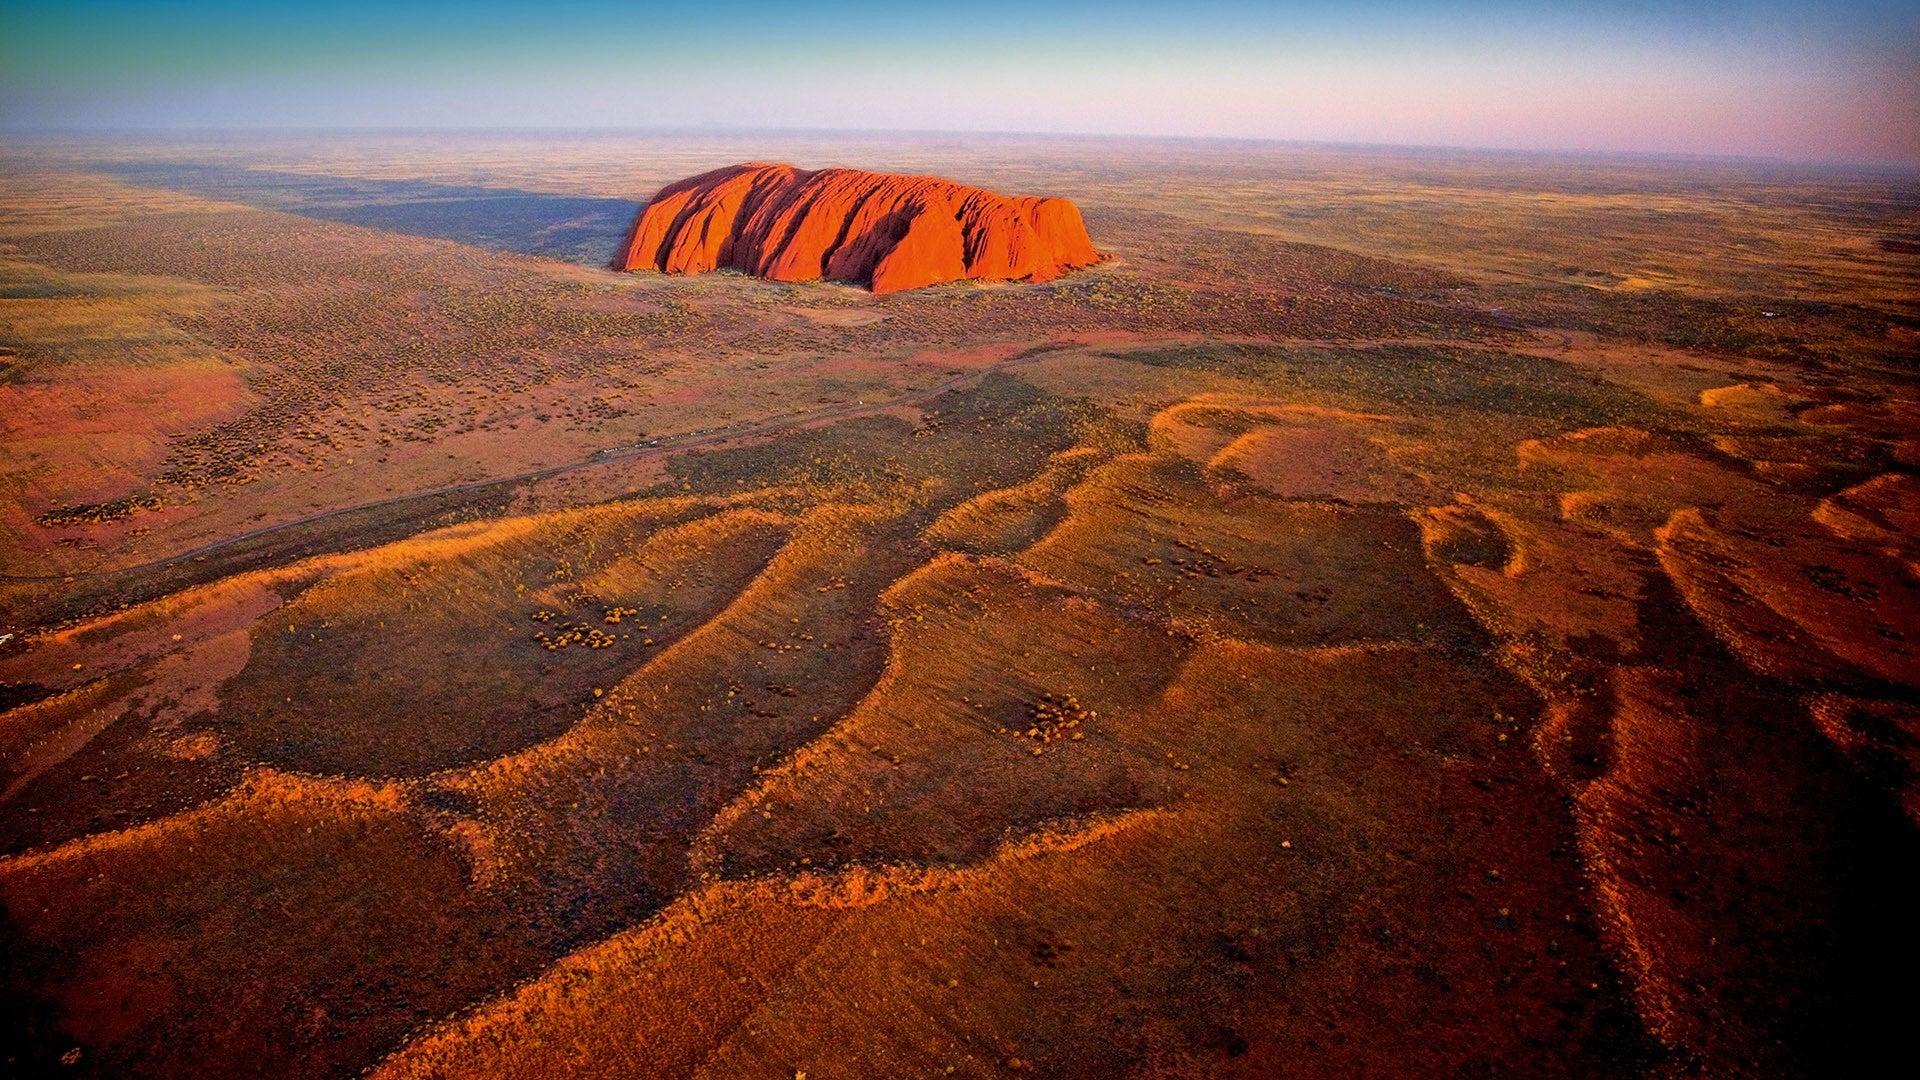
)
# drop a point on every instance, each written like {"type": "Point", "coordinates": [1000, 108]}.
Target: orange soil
{"type": "Point", "coordinates": [1301, 675]}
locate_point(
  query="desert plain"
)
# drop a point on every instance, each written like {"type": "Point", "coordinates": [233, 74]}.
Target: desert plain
{"type": "Point", "coordinates": [1402, 613]}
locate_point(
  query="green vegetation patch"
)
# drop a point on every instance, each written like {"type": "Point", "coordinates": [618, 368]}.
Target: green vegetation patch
{"type": "Point", "coordinates": [993, 434]}
{"type": "Point", "coordinates": [1420, 378]}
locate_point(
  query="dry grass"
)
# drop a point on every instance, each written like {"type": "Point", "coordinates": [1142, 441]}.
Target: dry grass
{"type": "Point", "coordinates": [1259, 658]}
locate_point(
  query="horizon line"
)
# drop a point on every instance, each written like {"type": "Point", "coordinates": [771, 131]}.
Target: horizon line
{"type": "Point", "coordinates": [1695, 156]}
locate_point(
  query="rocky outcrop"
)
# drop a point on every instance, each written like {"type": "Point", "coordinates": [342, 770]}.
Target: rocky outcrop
{"type": "Point", "coordinates": [884, 230]}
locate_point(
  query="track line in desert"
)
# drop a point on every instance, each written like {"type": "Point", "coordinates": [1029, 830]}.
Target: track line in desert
{"type": "Point", "coordinates": [663, 446]}
{"type": "Point", "coordinates": [667, 444]}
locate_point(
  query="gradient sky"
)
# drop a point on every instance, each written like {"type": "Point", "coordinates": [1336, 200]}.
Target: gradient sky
{"type": "Point", "coordinates": [1826, 81]}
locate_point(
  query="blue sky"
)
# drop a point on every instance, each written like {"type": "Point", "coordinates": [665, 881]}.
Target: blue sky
{"type": "Point", "coordinates": [1803, 81]}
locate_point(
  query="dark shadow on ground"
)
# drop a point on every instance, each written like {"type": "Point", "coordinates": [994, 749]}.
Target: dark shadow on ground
{"type": "Point", "coordinates": [574, 228]}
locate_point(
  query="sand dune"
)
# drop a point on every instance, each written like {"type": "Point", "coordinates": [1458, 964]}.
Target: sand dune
{"type": "Point", "coordinates": [1245, 657]}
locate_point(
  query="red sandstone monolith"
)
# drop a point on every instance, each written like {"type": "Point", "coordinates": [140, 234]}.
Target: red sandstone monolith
{"type": "Point", "coordinates": [887, 231]}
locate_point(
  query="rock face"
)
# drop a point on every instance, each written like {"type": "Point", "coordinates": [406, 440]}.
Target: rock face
{"type": "Point", "coordinates": [884, 230]}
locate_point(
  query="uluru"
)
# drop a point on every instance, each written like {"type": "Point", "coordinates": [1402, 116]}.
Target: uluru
{"type": "Point", "coordinates": [888, 231]}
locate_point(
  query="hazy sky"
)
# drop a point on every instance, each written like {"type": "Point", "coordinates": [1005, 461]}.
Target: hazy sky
{"type": "Point", "coordinates": [1807, 80]}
